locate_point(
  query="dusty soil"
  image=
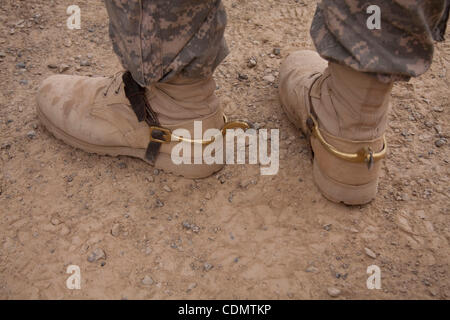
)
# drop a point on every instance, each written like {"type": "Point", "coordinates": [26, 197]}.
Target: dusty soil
{"type": "Point", "coordinates": [270, 237]}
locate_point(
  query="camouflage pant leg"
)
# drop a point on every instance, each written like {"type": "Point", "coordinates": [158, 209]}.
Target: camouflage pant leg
{"type": "Point", "coordinates": [401, 49]}
{"type": "Point", "coordinates": [157, 39]}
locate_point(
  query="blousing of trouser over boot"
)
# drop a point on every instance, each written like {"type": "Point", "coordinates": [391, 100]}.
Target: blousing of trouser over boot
{"type": "Point", "coordinates": [343, 104]}
{"type": "Point", "coordinates": [169, 50]}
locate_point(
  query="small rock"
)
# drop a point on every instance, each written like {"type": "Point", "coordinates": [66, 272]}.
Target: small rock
{"type": "Point", "coordinates": [159, 203]}
{"type": "Point", "coordinates": [148, 251]}
{"type": "Point", "coordinates": [327, 227]}
{"type": "Point", "coordinates": [63, 68]}
{"type": "Point", "coordinates": [115, 230]}
{"type": "Point", "coordinates": [334, 292]}
{"type": "Point", "coordinates": [269, 78]}
{"type": "Point", "coordinates": [68, 43]}
{"type": "Point", "coordinates": [245, 183]}
{"type": "Point", "coordinates": [191, 287]}
{"type": "Point", "coordinates": [55, 221]}
{"type": "Point", "coordinates": [2, 54]}
{"type": "Point", "coordinates": [438, 129]}
{"type": "Point", "coordinates": [195, 229]}
{"type": "Point", "coordinates": [52, 66]}
{"type": "Point", "coordinates": [186, 225]}
{"type": "Point", "coordinates": [207, 267]}
{"type": "Point", "coordinates": [312, 269]}
{"type": "Point", "coordinates": [242, 77]}
{"type": "Point", "coordinates": [439, 143]}
{"type": "Point", "coordinates": [21, 65]}
{"type": "Point", "coordinates": [96, 255]}
{"type": "Point", "coordinates": [85, 63]}
{"type": "Point", "coordinates": [167, 188]}
{"type": "Point", "coordinates": [147, 281]}
{"type": "Point", "coordinates": [252, 62]}
{"type": "Point", "coordinates": [31, 134]}
{"type": "Point", "coordinates": [370, 253]}
{"type": "Point", "coordinates": [277, 51]}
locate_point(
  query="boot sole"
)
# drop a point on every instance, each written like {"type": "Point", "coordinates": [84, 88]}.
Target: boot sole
{"type": "Point", "coordinates": [164, 161]}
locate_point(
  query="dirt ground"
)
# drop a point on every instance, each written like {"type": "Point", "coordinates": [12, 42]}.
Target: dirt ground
{"type": "Point", "coordinates": [251, 236]}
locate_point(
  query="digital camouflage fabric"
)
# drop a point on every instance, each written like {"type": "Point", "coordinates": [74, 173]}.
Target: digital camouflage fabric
{"type": "Point", "coordinates": [401, 49]}
{"type": "Point", "coordinates": [157, 39]}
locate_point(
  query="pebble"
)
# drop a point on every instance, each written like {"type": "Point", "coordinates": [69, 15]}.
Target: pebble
{"type": "Point", "coordinates": [63, 67]}
{"type": "Point", "coordinates": [2, 54]}
{"type": "Point", "coordinates": [441, 142]}
{"type": "Point", "coordinates": [52, 66]}
{"type": "Point", "coordinates": [252, 62]}
{"type": "Point", "coordinates": [191, 287]}
{"type": "Point", "coordinates": [21, 65]}
{"type": "Point", "coordinates": [85, 63]}
{"type": "Point", "coordinates": [242, 77]}
{"type": "Point", "coordinates": [115, 230]}
{"type": "Point", "coordinates": [55, 221]}
{"type": "Point", "coordinates": [31, 134]}
{"type": "Point", "coordinates": [207, 267]}
{"type": "Point", "coordinates": [195, 229]}
{"type": "Point", "coordinates": [334, 292]}
{"type": "Point", "coordinates": [277, 51]}
{"type": "Point", "coordinates": [147, 281]}
{"type": "Point", "coordinates": [312, 269]}
{"type": "Point", "coordinates": [167, 188]}
{"type": "Point", "coordinates": [67, 43]}
{"type": "Point", "coordinates": [186, 225]}
{"type": "Point", "coordinates": [159, 203]}
{"type": "Point", "coordinates": [96, 255]}
{"type": "Point", "coordinates": [269, 78]}
{"type": "Point", "coordinates": [370, 253]}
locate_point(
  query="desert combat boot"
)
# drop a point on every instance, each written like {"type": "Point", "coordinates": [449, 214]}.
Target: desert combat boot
{"type": "Point", "coordinates": [96, 114]}
{"type": "Point", "coordinates": [344, 112]}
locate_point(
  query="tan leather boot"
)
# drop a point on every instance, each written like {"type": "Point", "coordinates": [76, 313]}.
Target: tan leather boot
{"type": "Point", "coordinates": [95, 115]}
{"type": "Point", "coordinates": [344, 112]}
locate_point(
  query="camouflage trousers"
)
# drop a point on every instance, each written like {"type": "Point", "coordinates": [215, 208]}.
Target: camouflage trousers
{"type": "Point", "coordinates": [400, 49]}
{"type": "Point", "coordinates": [157, 39]}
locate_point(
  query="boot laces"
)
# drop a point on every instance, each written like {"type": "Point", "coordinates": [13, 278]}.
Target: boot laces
{"type": "Point", "coordinates": [115, 82]}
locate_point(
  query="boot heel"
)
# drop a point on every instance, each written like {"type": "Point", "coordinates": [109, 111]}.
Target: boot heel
{"type": "Point", "coordinates": [339, 192]}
